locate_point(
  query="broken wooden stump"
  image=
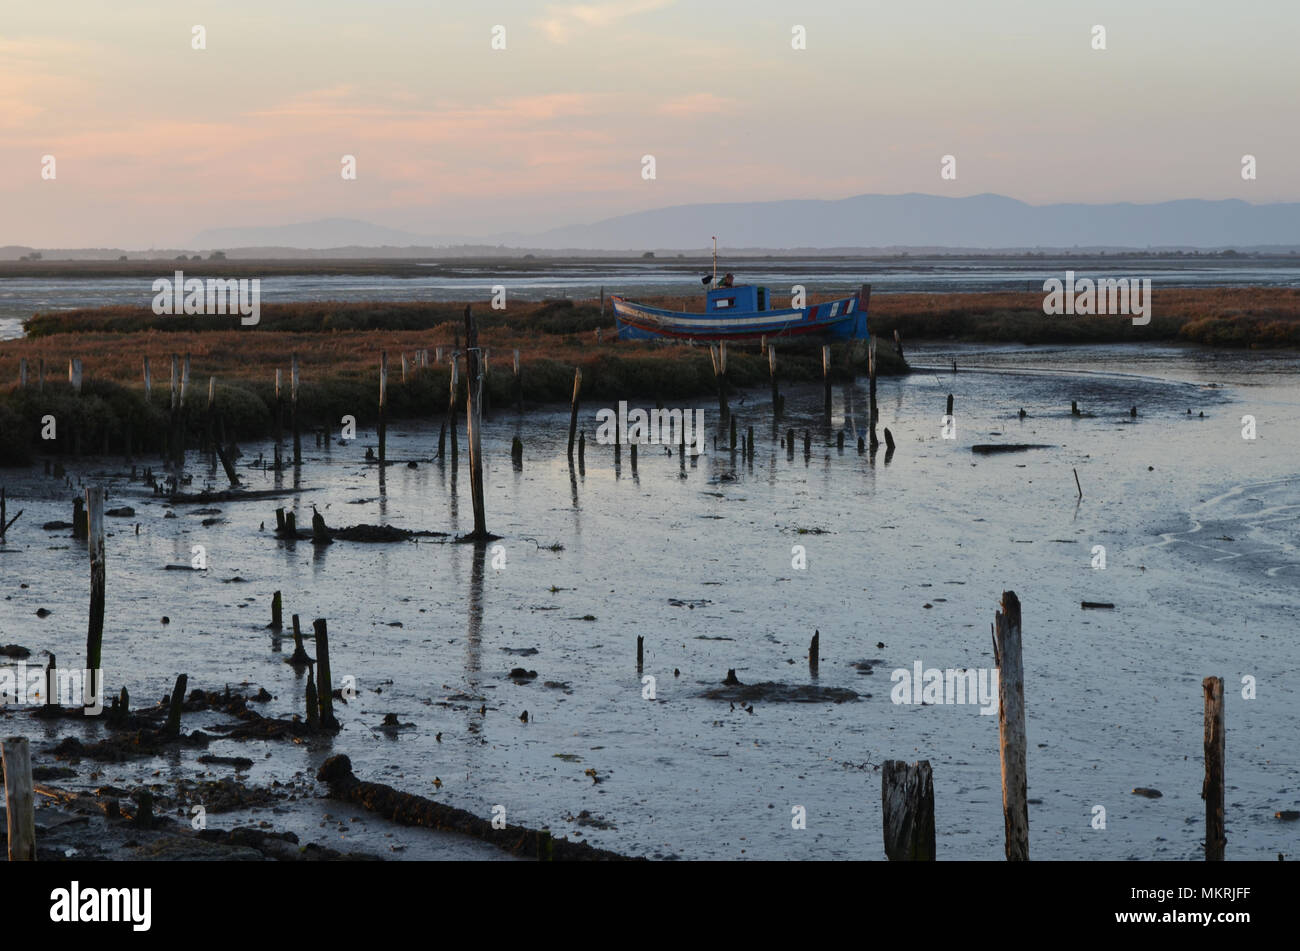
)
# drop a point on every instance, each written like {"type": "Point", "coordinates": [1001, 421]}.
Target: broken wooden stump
{"type": "Point", "coordinates": [326, 686]}
{"type": "Point", "coordinates": [19, 799]}
{"type": "Point", "coordinates": [173, 727]}
{"type": "Point", "coordinates": [907, 803]}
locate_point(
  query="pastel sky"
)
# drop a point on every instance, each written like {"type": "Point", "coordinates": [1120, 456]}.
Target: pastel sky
{"type": "Point", "coordinates": [155, 141]}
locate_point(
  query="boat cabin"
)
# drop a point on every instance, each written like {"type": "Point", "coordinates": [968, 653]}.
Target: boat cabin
{"type": "Point", "coordinates": [742, 299]}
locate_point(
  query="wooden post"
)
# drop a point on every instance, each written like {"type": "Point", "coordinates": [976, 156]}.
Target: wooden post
{"type": "Point", "coordinates": [898, 344]}
{"type": "Point", "coordinates": [815, 652]}
{"type": "Point", "coordinates": [640, 652]}
{"type": "Point", "coordinates": [474, 422]}
{"type": "Point", "coordinates": [279, 411]}
{"type": "Point", "coordinates": [212, 405]}
{"type": "Point", "coordinates": [519, 385]}
{"type": "Point", "coordinates": [95, 544]}
{"type": "Point", "coordinates": [789, 444]}
{"type": "Point", "coordinates": [320, 533]}
{"type": "Point", "coordinates": [403, 366]}
{"type": "Point", "coordinates": [300, 653]}
{"type": "Point", "coordinates": [293, 410]}
{"type": "Point", "coordinates": [517, 452]}
{"type": "Point", "coordinates": [325, 686]}
{"type": "Point", "coordinates": [826, 379]}
{"type": "Point", "coordinates": [383, 401]}
{"type": "Point", "coordinates": [582, 451]}
{"type": "Point", "coordinates": [451, 410]}
{"type": "Point", "coordinates": [226, 462]}
{"type": "Point", "coordinates": [871, 388]}
{"type": "Point", "coordinates": [1212, 789]}
{"type": "Point", "coordinates": [573, 408]}
{"type": "Point", "coordinates": [313, 702]}
{"type": "Point", "coordinates": [807, 444]}
{"type": "Point", "coordinates": [949, 410]}
{"type": "Point", "coordinates": [733, 433]}
{"type": "Point", "coordinates": [173, 727]}
{"type": "Point", "coordinates": [277, 605]}
{"type": "Point", "coordinates": [1011, 726]}
{"type": "Point", "coordinates": [749, 443]}
{"type": "Point", "coordinates": [907, 802]}
{"type": "Point", "coordinates": [52, 682]}
{"type": "Point", "coordinates": [718, 354]}
{"type": "Point", "coordinates": [889, 442]}
{"type": "Point", "coordinates": [19, 803]}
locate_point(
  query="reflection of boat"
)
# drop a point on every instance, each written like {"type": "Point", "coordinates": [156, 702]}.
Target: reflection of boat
{"type": "Point", "coordinates": [745, 312]}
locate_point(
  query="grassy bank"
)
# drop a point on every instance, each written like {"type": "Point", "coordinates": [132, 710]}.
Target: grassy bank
{"type": "Point", "coordinates": [338, 348]}
{"type": "Point", "coordinates": [1218, 317]}
{"type": "Point", "coordinates": [1258, 317]}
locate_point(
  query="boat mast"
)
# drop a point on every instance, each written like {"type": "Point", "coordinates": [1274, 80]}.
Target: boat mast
{"type": "Point", "coordinates": [715, 260]}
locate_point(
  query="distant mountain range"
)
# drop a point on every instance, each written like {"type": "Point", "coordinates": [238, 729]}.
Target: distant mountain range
{"type": "Point", "coordinates": [863, 221]}
{"type": "Point", "coordinates": [882, 223]}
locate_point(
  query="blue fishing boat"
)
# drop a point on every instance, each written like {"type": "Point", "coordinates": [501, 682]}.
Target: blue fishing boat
{"type": "Point", "coordinates": [744, 312]}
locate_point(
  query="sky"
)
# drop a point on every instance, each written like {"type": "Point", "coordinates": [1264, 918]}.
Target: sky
{"type": "Point", "coordinates": [155, 141]}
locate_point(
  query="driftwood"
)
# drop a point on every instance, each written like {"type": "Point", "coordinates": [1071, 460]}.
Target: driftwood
{"type": "Point", "coordinates": [988, 449]}
{"type": "Point", "coordinates": [406, 809]}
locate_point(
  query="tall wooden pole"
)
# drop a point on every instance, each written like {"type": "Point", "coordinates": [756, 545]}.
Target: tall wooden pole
{"type": "Point", "coordinates": [573, 409]}
{"type": "Point", "coordinates": [95, 544]}
{"type": "Point", "coordinates": [826, 380]}
{"type": "Point", "coordinates": [177, 452]}
{"type": "Point", "coordinates": [451, 408]}
{"type": "Point", "coordinates": [383, 404]}
{"type": "Point", "coordinates": [771, 372]}
{"type": "Point", "coordinates": [293, 410]}
{"type": "Point", "coordinates": [1212, 790]}
{"type": "Point", "coordinates": [871, 388]}
{"type": "Point", "coordinates": [1011, 727]}
{"type": "Point", "coordinates": [474, 421]}
{"type": "Point", "coordinates": [519, 384]}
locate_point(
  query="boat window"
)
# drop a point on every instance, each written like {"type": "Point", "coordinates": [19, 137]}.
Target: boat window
{"type": "Point", "coordinates": [762, 298]}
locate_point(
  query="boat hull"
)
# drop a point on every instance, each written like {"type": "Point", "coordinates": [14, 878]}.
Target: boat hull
{"type": "Point", "coordinates": [841, 319]}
